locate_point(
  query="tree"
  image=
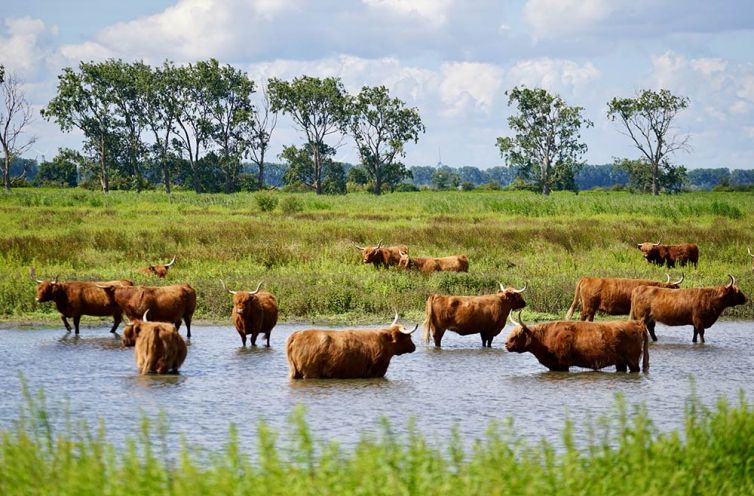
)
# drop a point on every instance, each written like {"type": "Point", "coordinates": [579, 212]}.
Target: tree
{"type": "Point", "coordinates": [15, 116]}
{"type": "Point", "coordinates": [161, 108]}
{"type": "Point", "coordinates": [302, 171]}
{"type": "Point", "coordinates": [381, 126]}
{"type": "Point", "coordinates": [357, 175]}
{"type": "Point", "coordinates": [648, 120]}
{"type": "Point", "coordinates": [443, 179]}
{"type": "Point", "coordinates": [547, 137]}
{"type": "Point", "coordinates": [642, 178]}
{"type": "Point", "coordinates": [62, 169]}
{"type": "Point", "coordinates": [319, 109]}
{"type": "Point", "coordinates": [261, 126]}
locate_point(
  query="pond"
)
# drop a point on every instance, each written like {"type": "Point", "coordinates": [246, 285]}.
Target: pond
{"type": "Point", "coordinates": [463, 385]}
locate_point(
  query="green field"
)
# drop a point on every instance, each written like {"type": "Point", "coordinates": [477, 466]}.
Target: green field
{"type": "Point", "coordinates": [302, 248]}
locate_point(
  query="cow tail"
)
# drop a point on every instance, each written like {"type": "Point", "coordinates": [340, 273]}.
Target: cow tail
{"type": "Point", "coordinates": [575, 302]}
{"type": "Point", "coordinates": [645, 351]}
{"type": "Point", "coordinates": [427, 324]}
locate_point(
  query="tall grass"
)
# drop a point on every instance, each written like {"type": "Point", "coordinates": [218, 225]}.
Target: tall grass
{"type": "Point", "coordinates": [300, 246]}
{"type": "Point", "coordinates": [712, 454]}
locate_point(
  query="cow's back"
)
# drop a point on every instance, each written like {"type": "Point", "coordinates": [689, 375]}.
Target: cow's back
{"type": "Point", "coordinates": [330, 354]}
{"type": "Point", "coordinates": [85, 298]}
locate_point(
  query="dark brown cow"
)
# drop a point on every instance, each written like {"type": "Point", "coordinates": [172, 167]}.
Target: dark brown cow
{"type": "Point", "coordinates": [160, 271]}
{"type": "Point", "coordinates": [159, 347]}
{"type": "Point", "coordinates": [594, 345]}
{"type": "Point", "coordinates": [381, 256]}
{"type": "Point", "coordinates": [466, 315]}
{"type": "Point", "coordinates": [457, 263]}
{"type": "Point", "coordinates": [670, 254]}
{"type": "Point", "coordinates": [699, 307]}
{"type": "Point", "coordinates": [76, 298]}
{"type": "Point", "coordinates": [610, 295]}
{"type": "Point", "coordinates": [166, 304]}
{"type": "Point", "coordinates": [347, 354]}
{"type": "Point", "coordinates": [254, 313]}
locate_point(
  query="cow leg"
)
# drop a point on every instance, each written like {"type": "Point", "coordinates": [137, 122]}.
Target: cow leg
{"type": "Point", "coordinates": [187, 320]}
{"type": "Point", "coordinates": [484, 339]}
{"type": "Point", "coordinates": [651, 328]}
{"type": "Point", "coordinates": [117, 318]}
{"type": "Point", "coordinates": [76, 320]}
{"type": "Point", "coordinates": [65, 323]}
{"type": "Point", "coordinates": [254, 339]}
{"type": "Point", "coordinates": [267, 335]}
{"type": "Point", "coordinates": [698, 330]}
{"type": "Point", "coordinates": [621, 367]}
{"type": "Point", "coordinates": [243, 338]}
{"type": "Point", "coordinates": [437, 335]}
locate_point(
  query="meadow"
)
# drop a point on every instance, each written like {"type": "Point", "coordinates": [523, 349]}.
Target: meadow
{"type": "Point", "coordinates": [300, 245]}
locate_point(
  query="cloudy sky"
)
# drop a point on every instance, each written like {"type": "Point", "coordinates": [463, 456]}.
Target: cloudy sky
{"type": "Point", "coordinates": [452, 59]}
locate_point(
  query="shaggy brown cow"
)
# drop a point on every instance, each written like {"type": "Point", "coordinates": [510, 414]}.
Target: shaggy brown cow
{"type": "Point", "coordinates": [166, 304]}
{"type": "Point", "coordinates": [610, 295]}
{"type": "Point", "coordinates": [253, 313]}
{"type": "Point", "coordinates": [76, 298]}
{"type": "Point", "coordinates": [458, 263]}
{"type": "Point", "coordinates": [348, 354]}
{"type": "Point", "coordinates": [699, 307]}
{"type": "Point", "coordinates": [471, 314]}
{"type": "Point", "coordinates": [158, 270]}
{"type": "Point", "coordinates": [159, 347]}
{"type": "Point", "coordinates": [380, 256]}
{"type": "Point", "coordinates": [593, 345]}
{"type": "Point", "coordinates": [670, 254]}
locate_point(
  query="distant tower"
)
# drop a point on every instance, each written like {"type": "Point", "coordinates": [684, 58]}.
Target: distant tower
{"type": "Point", "coordinates": [439, 157]}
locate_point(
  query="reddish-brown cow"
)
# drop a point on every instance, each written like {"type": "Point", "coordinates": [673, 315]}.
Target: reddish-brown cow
{"type": "Point", "coordinates": [593, 345]}
{"type": "Point", "coordinates": [457, 263]}
{"type": "Point", "coordinates": [347, 354]}
{"type": "Point", "coordinates": [159, 347]}
{"type": "Point", "coordinates": [610, 295]}
{"type": "Point", "coordinates": [699, 307]}
{"type": "Point", "coordinates": [254, 313]}
{"type": "Point", "coordinates": [76, 298]}
{"type": "Point", "coordinates": [466, 315]}
{"type": "Point", "coordinates": [158, 270]}
{"type": "Point", "coordinates": [670, 254]}
{"type": "Point", "coordinates": [381, 256]}
{"type": "Point", "coordinates": [166, 304]}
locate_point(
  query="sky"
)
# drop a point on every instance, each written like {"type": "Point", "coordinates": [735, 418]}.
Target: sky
{"type": "Point", "coordinates": [453, 60]}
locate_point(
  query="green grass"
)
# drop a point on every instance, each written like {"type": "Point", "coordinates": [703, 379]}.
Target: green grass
{"type": "Point", "coordinates": [712, 454]}
{"type": "Point", "coordinates": [301, 246]}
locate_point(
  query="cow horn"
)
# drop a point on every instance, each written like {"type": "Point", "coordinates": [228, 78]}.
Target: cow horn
{"type": "Point", "coordinates": [256, 290]}
{"type": "Point", "coordinates": [750, 253]}
{"type": "Point", "coordinates": [513, 321]}
{"type": "Point", "coordinates": [33, 275]}
{"type": "Point", "coordinates": [502, 288]}
{"type": "Point", "coordinates": [402, 253]}
{"type": "Point", "coordinates": [732, 281]}
{"type": "Point", "coordinates": [656, 244]}
{"type": "Point", "coordinates": [526, 284]}
{"type": "Point", "coordinates": [668, 276]}
{"type": "Point", "coordinates": [679, 281]}
{"type": "Point", "coordinates": [144, 317]}
{"type": "Point", "coordinates": [171, 262]}
{"type": "Point", "coordinates": [226, 289]}
{"type": "Point", "coordinates": [410, 332]}
{"type": "Point", "coordinates": [379, 244]}
{"type": "Point", "coordinates": [395, 320]}
{"type": "Point", "coordinates": [357, 246]}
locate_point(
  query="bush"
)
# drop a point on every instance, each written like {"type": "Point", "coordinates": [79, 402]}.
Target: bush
{"type": "Point", "coordinates": [490, 186]}
{"type": "Point", "coordinates": [468, 186]}
{"type": "Point", "coordinates": [405, 188]}
{"type": "Point", "coordinates": [266, 201]}
{"type": "Point", "coordinates": [291, 205]}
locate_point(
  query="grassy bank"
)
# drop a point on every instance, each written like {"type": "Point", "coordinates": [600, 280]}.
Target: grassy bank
{"type": "Point", "coordinates": [711, 455]}
{"type": "Point", "coordinates": [302, 248]}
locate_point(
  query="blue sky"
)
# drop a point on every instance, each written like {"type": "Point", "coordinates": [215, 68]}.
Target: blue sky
{"type": "Point", "coordinates": [452, 59]}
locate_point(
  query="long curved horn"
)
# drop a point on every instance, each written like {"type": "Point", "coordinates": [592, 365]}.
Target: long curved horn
{"type": "Point", "coordinates": [502, 288]}
{"type": "Point", "coordinates": [33, 275]}
{"type": "Point", "coordinates": [171, 262]}
{"type": "Point", "coordinates": [732, 281]}
{"type": "Point", "coordinates": [144, 317]}
{"type": "Point", "coordinates": [256, 290]}
{"type": "Point", "coordinates": [395, 320]}
{"type": "Point", "coordinates": [526, 285]}
{"type": "Point", "coordinates": [656, 244]}
{"type": "Point", "coordinates": [361, 248]}
{"type": "Point", "coordinates": [510, 317]}
{"type": "Point", "coordinates": [410, 332]}
{"type": "Point", "coordinates": [379, 244]}
{"type": "Point", "coordinates": [750, 253]}
{"type": "Point", "coordinates": [679, 281]}
{"type": "Point", "coordinates": [226, 289]}
{"type": "Point", "coordinates": [668, 276]}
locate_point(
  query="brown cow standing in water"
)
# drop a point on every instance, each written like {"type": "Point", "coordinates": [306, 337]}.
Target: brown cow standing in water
{"type": "Point", "coordinates": [699, 307]}
{"type": "Point", "coordinates": [610, 295]}
{"type": "Point", "coordinates": [381, 256]}
{"type": "Point", "coordinates": [160, 271]}
{"type": "Point", "coordinates": [593, 345]}
{"type": "Point", "coordinates": [76, 298]}
{"type": "Point", "coordinates": [166, 304]}
{"type": "Point", "coordinates": [347, 354]}
{"type": "Point", "coordinates": [456, 263]}
{"type": "Point", "coordinates": [670, 254]}
{"type": "Point", "coordinates": [159, 347]}
{"type": "Point", "coordinates": [254, 313]}
{"type": "Point", "coordinates": [466, 315]}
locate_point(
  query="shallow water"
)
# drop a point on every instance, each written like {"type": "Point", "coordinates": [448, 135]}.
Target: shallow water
{"type": "Point", "coordinates": [463, 384]}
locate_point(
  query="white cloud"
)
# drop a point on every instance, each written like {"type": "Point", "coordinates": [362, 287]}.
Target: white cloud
{"type": "Point", "coordinates": [469, 86]}
{"type": "Point", "coordinates": [433, 11]}
{"type": "Point", "coordinates": [551, 18]}
{"type": "Point", "coordinates": [27, 48]}
{"type": "Point", "coordinates": [556, 75]}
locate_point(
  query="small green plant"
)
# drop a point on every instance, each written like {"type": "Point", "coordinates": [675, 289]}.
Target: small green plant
{"type": "Point", "coordinates": [266, 201]}
{"type": "Point", "coordinates": [291, 205]}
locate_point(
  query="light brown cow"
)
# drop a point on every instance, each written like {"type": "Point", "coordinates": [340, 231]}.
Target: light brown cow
{"type": "Point", "coordinates": [610, 295]}
{"type": "Point", "coordinates": [659, 254]}
{"type": "Point", "coordinates": [254, 313]}
{"type": "Point", "coordinates": [76, 298]}
{"type": "Point", "coordinates": [594, 345]}
{"type": "Point", "coordinates": [457, 263]}
{"type": "Point", "coordinates": [466, 315]}
{"type": "Point", "coordinates": [159, 347]}
{"type": "Point", "coordinates": [160, 271]}
{"type": "Point", "coordinates": [347, 354]}
{"type": "Point", "coordinates": [166, 304]}
{"type": "Point", "coordinates": [381, 256]}
{"type": "Point", "coordinates": [699, 307]}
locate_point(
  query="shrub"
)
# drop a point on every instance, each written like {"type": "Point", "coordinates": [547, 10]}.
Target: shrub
{"type": "Point", "coordinates": [468, 186]}
{"type": "Point", "coordinates": [291, 205]}
{"type": "Point", "coordinates": [266, 201]}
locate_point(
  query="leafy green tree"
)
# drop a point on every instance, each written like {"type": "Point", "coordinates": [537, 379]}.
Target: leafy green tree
{"type": "Point", "coordinates": [647, 120]}
{"type": "Point", "coordinates": [319, 109]}
{"type": "Point", "coordinates": [161, 93]}
{"type": "Point", "coordinates": [15, 118]}
{"type": "Point", "coordinates": [62, 169]}
{"type": "Point", "coordinates": [443, 179]}
{"type": "Point", "coordinates": [381, 126]}
{"type": "Point", "coordinates": [642, 178]}
{"type": "Point", "coordinates": [357, 175]}
{"type": "Point", "coordinates": [422, 174]}
{"type": "Point", "coordinates": [302, 170]}
{"type": "Point", "coordinates": [547, 142]}
{"type": "Point", "coordinates": [259, 133]}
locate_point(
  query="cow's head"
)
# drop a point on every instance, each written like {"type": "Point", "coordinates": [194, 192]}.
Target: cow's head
{"type": "Point", "coordinates": [46, 290]}
{"type": "Point", "coordinates": [674, 284]}
{"type": "Point", "coordinates": [159, 270]}
{"type": "Point", "coordinates": [650, 251]}
{"type": "Point", "coordinates": [732, 294]}
{"type": "Point", "coordinates": [400, 338]}
{"type": "Point", "coordinates": [520, 337]}
{"type": "Point", "coordinates": [405, 261]}
{"type": "Point", "coordinates": [513, 296]}
{"type": "Point", "coordinates": [132, 330]}
{"type": "Point", "coordinates": [242, 299]}
{"type": "Point", "coordinates": [371, 254]}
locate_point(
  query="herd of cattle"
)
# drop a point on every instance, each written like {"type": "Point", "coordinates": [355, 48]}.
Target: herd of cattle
{"type": "Point", "coordinates": [155, 314]}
